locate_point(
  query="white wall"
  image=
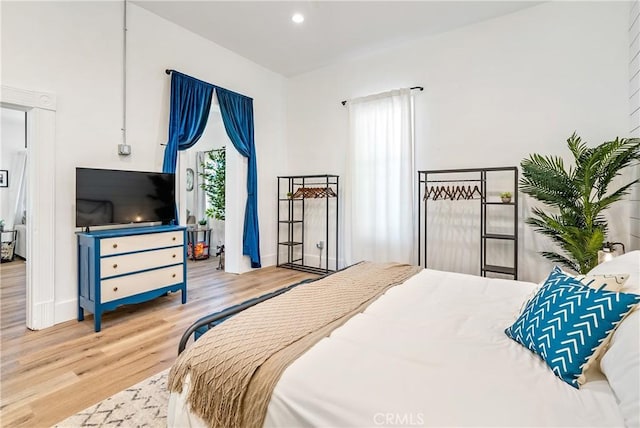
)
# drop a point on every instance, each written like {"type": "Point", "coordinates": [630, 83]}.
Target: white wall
{"type": "Point", "coordinates": [74, 49]}
{"type": "Point", "coordinates": [12, 144]}
{"type": "Point", "coordinates": [494, 92]}
{"type": "Point", "coordinates": [634, 115]}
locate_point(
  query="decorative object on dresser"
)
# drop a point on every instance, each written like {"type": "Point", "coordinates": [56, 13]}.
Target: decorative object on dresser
{"type": "Point", "coordinates": [455, 185]}
{"type": "Point", "coordinates": [128, 266]}
{"type": "Point", "coordinates": [317, 196]}
{"type": "Point", "coordinates": [578, 197]}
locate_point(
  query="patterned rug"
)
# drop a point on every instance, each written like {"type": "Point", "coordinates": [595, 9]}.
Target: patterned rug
{"type": "Point", "coordinates": [142, 405]}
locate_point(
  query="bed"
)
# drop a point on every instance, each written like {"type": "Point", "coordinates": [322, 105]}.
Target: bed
{"type": "Point", "coordinates": [432, 351]}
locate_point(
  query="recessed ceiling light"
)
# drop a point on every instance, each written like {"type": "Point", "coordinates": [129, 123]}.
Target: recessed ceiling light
{"type": "Point", "coordinates": [298, 18]}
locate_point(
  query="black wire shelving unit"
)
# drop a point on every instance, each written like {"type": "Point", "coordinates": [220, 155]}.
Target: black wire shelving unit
{"type": "Point", "coordinates": [476, 177]}
{"type": "Point", "coordinates": [294, 194]}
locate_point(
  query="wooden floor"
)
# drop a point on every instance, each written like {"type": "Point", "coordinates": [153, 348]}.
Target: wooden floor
{"type": "Point", "coordinates": [51, 374]}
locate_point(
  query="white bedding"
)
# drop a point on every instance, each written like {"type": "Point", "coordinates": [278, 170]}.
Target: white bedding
{"type": "Point", "coordinates": [430, 352]}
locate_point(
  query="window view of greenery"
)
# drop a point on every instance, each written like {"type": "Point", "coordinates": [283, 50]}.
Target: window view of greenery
{"type": "Point", "coordinates": [213, 178]}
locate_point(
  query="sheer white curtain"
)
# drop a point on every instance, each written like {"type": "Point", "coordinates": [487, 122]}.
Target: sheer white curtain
{"type": "Point", "coordinates": [379, 213]}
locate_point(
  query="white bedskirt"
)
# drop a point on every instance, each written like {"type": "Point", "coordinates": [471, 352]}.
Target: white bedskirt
{"type": "Point", "coordinates": [430, 352]}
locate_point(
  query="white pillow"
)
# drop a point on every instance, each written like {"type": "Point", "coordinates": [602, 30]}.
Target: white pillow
{"type": "Point", "coordinates": [626, 263]}
{"type": "Point", "coordinates": [602, 281]}
{"type": "Point", "coordinates": [621, 365]}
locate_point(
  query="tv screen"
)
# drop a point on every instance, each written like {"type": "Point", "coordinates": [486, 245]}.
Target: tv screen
{"type": "Point", "coordinates": [107, 196]}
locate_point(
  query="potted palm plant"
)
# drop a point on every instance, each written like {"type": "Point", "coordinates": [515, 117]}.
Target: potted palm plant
{"type": "Point", "coordinates": [577, 197]}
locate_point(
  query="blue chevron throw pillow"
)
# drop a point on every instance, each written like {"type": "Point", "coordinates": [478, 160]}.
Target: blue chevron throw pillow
{"type": "Point", "coordinates": [566, 321]}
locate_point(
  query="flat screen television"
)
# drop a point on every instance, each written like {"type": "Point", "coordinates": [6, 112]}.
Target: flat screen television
{"type": "Point", "coordinates": [110, 197]}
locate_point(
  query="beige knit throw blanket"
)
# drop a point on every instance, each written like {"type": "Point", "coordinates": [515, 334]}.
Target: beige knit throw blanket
{"type": "Point", "coordinates": [234, 367]}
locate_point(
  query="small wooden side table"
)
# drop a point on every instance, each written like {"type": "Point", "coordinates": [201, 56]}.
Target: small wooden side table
{"type": "Point", "coordinates": [199, 239]}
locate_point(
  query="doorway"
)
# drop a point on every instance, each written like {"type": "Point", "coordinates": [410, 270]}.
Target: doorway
{"type": "Point", "coordinates": [13, 161]}
{"type": "Point", "coordinates": [40, 108]}
{"type": "Point", "coordinates": [202, 201]}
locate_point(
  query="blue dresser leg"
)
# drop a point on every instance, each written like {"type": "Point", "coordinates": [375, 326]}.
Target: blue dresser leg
{"type": "Point", "coordinates": [97, 318]}
{"type": "Point", "coordinates": [80, 313]}
{"type": "Point", "coordinates": [184, 295]}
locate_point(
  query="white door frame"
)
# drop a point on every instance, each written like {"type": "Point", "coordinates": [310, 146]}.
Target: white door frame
{"type": "Point", "coordinates": [40, 201]}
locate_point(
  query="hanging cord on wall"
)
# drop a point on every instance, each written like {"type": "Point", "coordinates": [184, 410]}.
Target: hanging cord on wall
{"type": "Point", "coordinates": [124, 74]}
{"type": "Point", "coordinates": [124, 149]}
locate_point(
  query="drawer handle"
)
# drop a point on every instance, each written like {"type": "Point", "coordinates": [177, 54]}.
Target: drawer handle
{"type": "Point", "coordinates": [115, 288]}
{"type": "Point", "coordinates": [173, 239]}
{"type": "Point", "coordinates": [115, 245]}
{"type": "Point", "coordinates": [173, 276]}
{"type": "Point", "coordinates": [174, 256]}
{"type": "Point", "coordinates": [115, 266]}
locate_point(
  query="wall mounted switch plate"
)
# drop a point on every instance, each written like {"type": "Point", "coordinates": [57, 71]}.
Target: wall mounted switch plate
{"type": "Point", "coordinates": [124, 149]}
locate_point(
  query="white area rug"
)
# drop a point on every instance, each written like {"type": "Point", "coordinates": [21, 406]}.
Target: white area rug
{"type": "Point", "coordinates": [142, 405]}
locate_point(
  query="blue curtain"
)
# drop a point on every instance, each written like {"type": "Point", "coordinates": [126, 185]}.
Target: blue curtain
{"type": "Point", "coordinates": [188, 114]}
{"type": "Point", "coordinates": [237, 116]}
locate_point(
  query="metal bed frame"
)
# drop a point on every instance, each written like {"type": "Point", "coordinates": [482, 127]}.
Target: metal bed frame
{"type": "Point", "coordinates": [201, 326]}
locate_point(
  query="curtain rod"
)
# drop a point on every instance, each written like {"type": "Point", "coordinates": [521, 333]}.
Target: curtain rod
{"type": "Point", "coordinates": [170, 70]}
{"type": "Point", "coordinates": [344, 103]}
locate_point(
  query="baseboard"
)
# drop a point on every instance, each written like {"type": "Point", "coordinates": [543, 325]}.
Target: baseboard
{"type": "Point", "coordinates": [268, 260]}
{"type": "Point", "coordinates": [42, 316]}
{"type": "Point", "coordinates": [66, 310]}
{"type": "Point", "coordinates": [314, 260]}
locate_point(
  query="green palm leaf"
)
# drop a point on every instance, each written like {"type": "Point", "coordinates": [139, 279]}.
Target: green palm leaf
{"type": "Point", "coordinates": [578, 196]}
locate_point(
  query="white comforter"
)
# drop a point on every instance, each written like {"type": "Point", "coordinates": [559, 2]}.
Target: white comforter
{"type": "Point", "coordinates": [430, 352]}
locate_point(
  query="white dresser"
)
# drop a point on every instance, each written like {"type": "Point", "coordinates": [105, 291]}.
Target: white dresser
{"type": "Point", "coordinates": [128, 266]}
